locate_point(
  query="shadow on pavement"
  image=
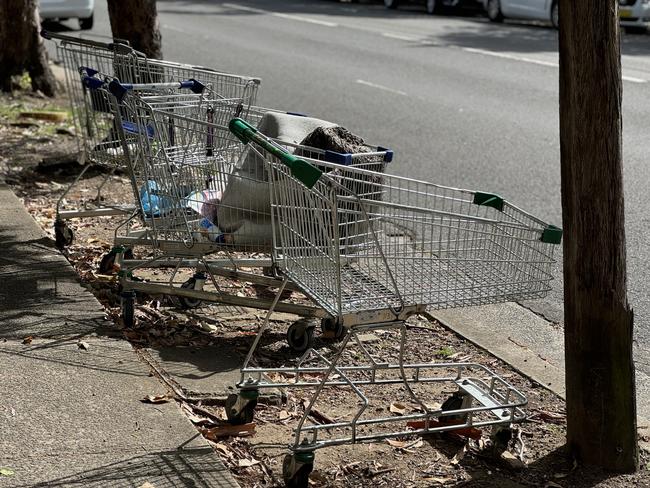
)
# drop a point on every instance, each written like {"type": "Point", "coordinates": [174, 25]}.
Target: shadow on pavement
{"type": "Point", "coordinates": [40, 293]}
{"type": "Point", "coordinates": [182, 468]}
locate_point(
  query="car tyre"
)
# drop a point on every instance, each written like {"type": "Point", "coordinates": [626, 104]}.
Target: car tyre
{"type": "Point", "coordinates": [87, 23]}
{"type": "Point", "coordinates": [434, 7]}
{"type": "Point", "coordinates": [493, 9]}
{"type": "Point", "coordinates": [391, 4]}
{"type": "Point", "coordinates": [555, 15]}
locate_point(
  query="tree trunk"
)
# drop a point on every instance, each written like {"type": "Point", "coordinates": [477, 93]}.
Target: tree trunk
{"type": "Point", "coordinates": [22, 47]}
{"type": "Point", "coordinates": [137, 22]}
{"type": "Point", "coordinates": [601, 404]}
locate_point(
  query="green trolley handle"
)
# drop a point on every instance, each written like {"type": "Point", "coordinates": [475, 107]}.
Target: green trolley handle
{"type": "Point", "coordinates": [300, 169]}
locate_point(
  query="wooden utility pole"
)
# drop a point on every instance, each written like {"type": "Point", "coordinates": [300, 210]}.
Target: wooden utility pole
{"type": "Point", "coordinates": [601, 403]}
{"type": "Point", "coordinates": [21, 47]}
{"type": "Point", "coordinates": [137, 22]}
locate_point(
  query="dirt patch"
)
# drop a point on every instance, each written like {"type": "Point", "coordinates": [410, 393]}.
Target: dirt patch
{"type": "Point", "coordinates": [537, 454]}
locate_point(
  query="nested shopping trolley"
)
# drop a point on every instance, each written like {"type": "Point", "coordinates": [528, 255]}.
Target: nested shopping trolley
{"type": "Point", "coordinates": [96, 127]}
{"type": "Point", "coordinates": [372, 250]}
{"type": "Point", "coordinates": [202, 195]}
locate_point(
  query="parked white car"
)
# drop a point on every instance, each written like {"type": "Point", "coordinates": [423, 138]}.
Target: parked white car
{"type": "Point", "coordinates": [66, 9]}
{"type": "Point", "coordinates": [634, 13]}
{"type": "Point", "coordinates": [546, 10]}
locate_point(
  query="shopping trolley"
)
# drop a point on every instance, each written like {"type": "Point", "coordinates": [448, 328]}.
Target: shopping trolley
{"type": "Point", "coordinates": [99, 135]}
{"type": "Point", "coordinates": [417, 245]}
{"type": "Point", "coordinates": [201, 193]}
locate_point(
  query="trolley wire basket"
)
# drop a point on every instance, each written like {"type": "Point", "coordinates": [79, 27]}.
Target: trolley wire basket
{"type": "Point", "coordinates": [372, 249]}
{"type": "Point", "coordinates": [99, 134]}
{"type": "Point", "coordinates": [200, 192]}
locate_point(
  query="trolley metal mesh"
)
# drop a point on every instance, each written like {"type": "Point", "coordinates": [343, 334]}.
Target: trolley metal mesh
{"type": "Point", "coordinates": [91, 109]}
{"type": "Point", "coordinates": [197, 185]}
{"type": "Point", "coordinates": [425, 244]}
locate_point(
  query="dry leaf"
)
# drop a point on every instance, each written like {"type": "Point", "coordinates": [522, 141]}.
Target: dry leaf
{"type": "Point", "coordinates": [512, 461]}
{"type": "Point", "coordinates": [284, 415]}
{"type": "Point", "coordinates": [228, 430]}
{"type": "Point", "coordinates": [442, 481]}
{"type": "Point", "coordinates": [6, 472]}
{"type": "Point", "coordinates": [28, 340]}
{"type": "Point", "coordinates": [224, 449]}
{"type": "Point", "coordinates": [247, 463]}
{"type": "Point", "coordinates": [83, 345]}
{"type": "Point", "coordinates": [155, 399]}
{"type": "Point", "coordinates": [458, 457]}
{"type": "Point", "coordinates": [147, 485]}
{"type": "Point", "coordinates": [550, 484]}
{"type": "Point", "coordinates": [398, 408]}
{"type": "Point", "coordinates": [405, 444]}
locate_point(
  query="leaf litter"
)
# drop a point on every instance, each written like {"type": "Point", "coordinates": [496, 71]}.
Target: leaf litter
{"type": "Point", "coordinates": [434, 460]}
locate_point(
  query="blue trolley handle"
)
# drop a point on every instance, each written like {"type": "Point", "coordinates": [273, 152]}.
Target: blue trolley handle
{"type": "Point", "coordinates": [119, 90]}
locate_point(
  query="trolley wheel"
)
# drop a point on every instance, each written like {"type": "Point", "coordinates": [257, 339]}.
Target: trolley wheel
{"type": "Point", "coordinates": [128, 308]}
{"type": "Point", "coordinates": [187, 302]}
{"type": "Point", "coordinates": [63, 235]}
{"type": "Point", "coordinates": [108, 261]}
{"type": "Point", "coordinates": [268, 271]}
{"type": "Point", "coordinates": [331, 327]}
{"type": "Point", "coordinates": [300, 336]}
{"type": "Point", "coordinates": [454, 402]}
{"type": "Point", "coordinates": [296, 468]}
{"type": "Point", "coordinates": [239, 410]}
{"type": "Point", "coordinates": [500, 437]}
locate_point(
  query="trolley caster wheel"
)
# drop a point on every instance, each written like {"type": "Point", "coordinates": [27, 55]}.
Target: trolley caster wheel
{"type": "Point", "coordinates": [128, 308]}
{"type": "Point", "coordinates": [108, 261]}
{"type": "Point", "coordinates": [500, 437]}
{"type": "Point", "coordinates": [268, 271]}
{"type": "Point", "coordinates": [300, 336]}
{"type": "Point", "coordinates": [63, 235]}
{"type": "Point", "coordinates": [240, 408]}
{"type": "Point", "coordinates": [332, 328]}
{"type": "Point", "coordinates": [194, 283]}
{"type": "Point", "coordinates": [296, 468]}
{"type": "Point", "coordinates": [456, 402]}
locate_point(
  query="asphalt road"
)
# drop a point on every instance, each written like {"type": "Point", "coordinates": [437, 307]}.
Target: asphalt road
{"type": "Point", "coordinates": [462, 101]}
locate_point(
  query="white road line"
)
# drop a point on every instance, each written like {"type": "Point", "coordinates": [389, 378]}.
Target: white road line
{"type": "Point", "coordinates": [632, 79]}
{"type": "Point", "coordinates": [298, 18]}
{"type": "Point", "coordinates": [540, 62]}
{"type": "Point", "coordinates": [171, 27]}
{"type": "Point", "coordinates": [400, 37]}
{"type": "Point", "coordinates": [510, 56]}
{"type": "Point", "coordinates": [381, 87]}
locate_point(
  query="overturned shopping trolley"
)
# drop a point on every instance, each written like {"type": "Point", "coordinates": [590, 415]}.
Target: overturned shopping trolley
{"type": "Point", "coordinates": [372, 250]}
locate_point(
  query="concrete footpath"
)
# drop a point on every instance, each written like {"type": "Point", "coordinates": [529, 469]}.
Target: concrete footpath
{"type": "Point", "coordinates": [71, 416]}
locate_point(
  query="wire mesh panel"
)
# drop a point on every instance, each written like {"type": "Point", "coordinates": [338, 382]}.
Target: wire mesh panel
{"type": "Point", "coordinates": [425, 243]}
{"type": "Point", "coordinates": [196, 184]}
{"type": "Point", "coordinates": [91, 109]}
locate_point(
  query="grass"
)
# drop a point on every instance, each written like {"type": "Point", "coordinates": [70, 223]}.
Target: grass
{"type": "Point", "coordinates": [11, 106]}
{"type": "Point", "coordinates": [444, 352]}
